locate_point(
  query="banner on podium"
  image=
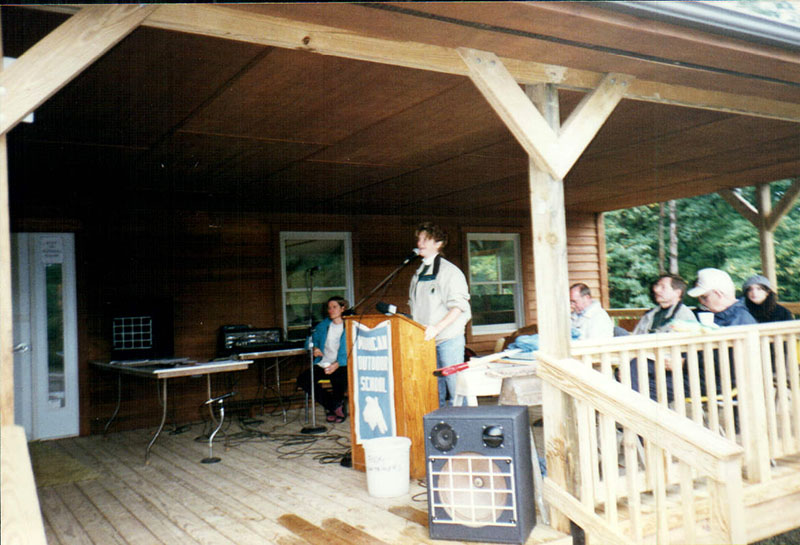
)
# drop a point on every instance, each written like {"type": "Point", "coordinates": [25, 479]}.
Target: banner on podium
{"type": "Point", "coordinates": [373, 388]}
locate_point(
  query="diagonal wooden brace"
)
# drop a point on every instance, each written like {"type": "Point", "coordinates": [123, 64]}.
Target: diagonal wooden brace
{"type": "Point", "coordinates": [63, 54]}
{"type": "Point", "coordinates": [553, 153]}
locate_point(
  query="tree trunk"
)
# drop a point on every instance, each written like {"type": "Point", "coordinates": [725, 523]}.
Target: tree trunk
{"type": "Point", "coordinates": [673, 237]}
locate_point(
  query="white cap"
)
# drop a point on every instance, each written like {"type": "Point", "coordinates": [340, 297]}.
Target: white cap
{"type": "Point", "coordinates": [712, 279]}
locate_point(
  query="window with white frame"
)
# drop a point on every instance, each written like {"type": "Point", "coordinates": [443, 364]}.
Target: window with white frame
{"type": "Point", "coordinates": [495, 282]}
{"type": "Point", "coordinates": [315, 266]}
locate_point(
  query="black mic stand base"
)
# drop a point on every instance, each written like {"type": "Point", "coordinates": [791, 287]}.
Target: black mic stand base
{"type": "Point", "coordinates": [313, 430]}
{"type": "Point", "coordinates": [212, 460]}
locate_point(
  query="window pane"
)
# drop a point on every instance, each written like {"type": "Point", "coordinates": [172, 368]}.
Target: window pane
{"type": "Point", "coordinates": [483, 268]}
{"type": "Point", "coordinates": [315, 263]}
{"type": "Point", "coordinates": [508, 264]}
{"type": "Point", "coordinates": [303, 255]}
{"type": "Point", "coordinates": [297, 309]}
{"type": "Point", "coordinates": [493, 280]}
{"type": "Point", "coordinates": [55, 336]}
{"type": "Point", "coordinates": [494, 306]}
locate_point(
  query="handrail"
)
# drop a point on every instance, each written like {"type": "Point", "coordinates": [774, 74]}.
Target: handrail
{"type": "Point", "coordinates": [601, 402]}
{"type": "Point", "coordinates": [21, 517]}
{"type": "Point", "coordinates": [625, 312]}
{"type": "Point", "coordinates": [635, 312]}
{"type": "Point", "coordinates": [794, 308]}
{"type": "Point", "coordinates": [685, 439]}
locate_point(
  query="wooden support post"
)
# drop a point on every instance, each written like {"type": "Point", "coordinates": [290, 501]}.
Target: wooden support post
{"type": "Point", "coordinates": [552, 150]}
{"type": "Point", "coordinates": [552, 293]}
{"type": "Point", "coordinates": [765, 218]}
{"type": "Point", "coordinates": [6, 318]}
{"type": "Point", "coordinates": [765, 236]}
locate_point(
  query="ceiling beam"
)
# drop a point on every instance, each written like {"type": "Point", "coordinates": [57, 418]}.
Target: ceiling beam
{"type": "Point", "coordinates": [237, 23]}
{"type": "Point", "coordinates": [61, 55]}
{"type": "Point", "coordinates": [555, 153]}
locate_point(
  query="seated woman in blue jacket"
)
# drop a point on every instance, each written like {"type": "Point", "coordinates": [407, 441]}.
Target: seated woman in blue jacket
{"type": "Point", "coordinates": [330, 355]}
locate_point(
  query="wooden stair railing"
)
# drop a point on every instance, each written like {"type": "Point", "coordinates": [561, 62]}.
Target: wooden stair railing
{"type": "Point", "coordinates": [760, 409]}
{"type": "Point", "coordinates": [21, 520]}
{"type": "Point", "coordinates": [690, 489]}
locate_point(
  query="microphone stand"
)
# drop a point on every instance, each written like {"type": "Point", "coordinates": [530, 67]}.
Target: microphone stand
{"type": "Point", "coordinates": [313, 429]}
{"type": "Point", "coordinates": [383, 283]}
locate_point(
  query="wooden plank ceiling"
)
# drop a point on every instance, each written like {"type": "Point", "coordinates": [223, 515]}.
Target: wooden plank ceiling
{"type": "Point", "coordinates": [196, 121]}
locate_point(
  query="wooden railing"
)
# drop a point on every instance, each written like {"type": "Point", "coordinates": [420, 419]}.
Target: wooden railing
{"type": "Point", "coordinates": [740, 385]}
{"type": "Point", "coordinates": [751, 374]}
{"type": "Point", "coordinates": [633, 505]}
{"type": "Point", "coordinates": [628, 317]}
{"type": "Point", "coordinates": [794, 308]}
{"type": "Point", "coordinates": [20, 518]}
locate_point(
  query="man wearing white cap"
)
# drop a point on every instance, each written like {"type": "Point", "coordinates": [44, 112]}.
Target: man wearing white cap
{"type": "Point", "coordinates": [715, 291]}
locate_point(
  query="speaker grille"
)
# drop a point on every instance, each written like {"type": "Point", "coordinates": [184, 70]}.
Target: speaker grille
{"type": "Point", "coordinates": [473, 490]}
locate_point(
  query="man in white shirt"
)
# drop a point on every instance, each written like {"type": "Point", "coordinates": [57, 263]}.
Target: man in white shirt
{"type": "Point", "coordinates": [588, 318]}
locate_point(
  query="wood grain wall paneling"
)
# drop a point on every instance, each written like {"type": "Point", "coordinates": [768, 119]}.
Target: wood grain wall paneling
{"type": "Point", "coordinates": [215, 268]}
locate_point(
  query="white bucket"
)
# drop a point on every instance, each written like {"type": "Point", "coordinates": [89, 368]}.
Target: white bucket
{"type": "Point", "coordinates": [387, 466]}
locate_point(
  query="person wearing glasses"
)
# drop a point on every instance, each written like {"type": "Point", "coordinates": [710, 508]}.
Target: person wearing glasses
{"type": "Point", "coordinates": [716, 292]}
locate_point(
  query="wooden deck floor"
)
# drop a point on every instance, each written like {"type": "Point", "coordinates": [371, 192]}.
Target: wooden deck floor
{"type": "Point", "coordinates": [267, 489]}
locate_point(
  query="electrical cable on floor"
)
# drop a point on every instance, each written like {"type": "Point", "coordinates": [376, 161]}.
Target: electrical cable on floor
{"type": "Point", "coordinates": [421, 497]}
{"type": "Point", "coordinates": [327, 448]}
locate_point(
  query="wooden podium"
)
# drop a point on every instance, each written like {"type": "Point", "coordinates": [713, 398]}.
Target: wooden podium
{"type": "Point", "coordinates": [415, 387]}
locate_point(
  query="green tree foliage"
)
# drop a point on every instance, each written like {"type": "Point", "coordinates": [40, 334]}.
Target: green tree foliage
{"type": "Point", "coordinates": [710, 234]}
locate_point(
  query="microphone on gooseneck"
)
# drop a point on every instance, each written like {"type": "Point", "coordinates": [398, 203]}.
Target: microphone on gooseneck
{"type": "Point", "coordinates": [385, 308]}
{"type": "Point", "coordinates": [411, 257]}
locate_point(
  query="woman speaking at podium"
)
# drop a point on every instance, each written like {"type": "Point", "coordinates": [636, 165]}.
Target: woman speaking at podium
{"type": "Point", "coordinates": [330, 354]}
{"type": "Point", "coordinates": [439, 300]}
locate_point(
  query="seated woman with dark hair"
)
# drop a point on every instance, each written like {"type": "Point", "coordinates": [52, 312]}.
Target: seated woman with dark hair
{"type": "Point", "coordinates": [330, 355]}
{"type": "Point", "coordinates": [762, 302]}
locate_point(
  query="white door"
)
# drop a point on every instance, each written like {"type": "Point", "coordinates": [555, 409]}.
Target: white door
{"type": "Point", "coordinates": [45, 334]}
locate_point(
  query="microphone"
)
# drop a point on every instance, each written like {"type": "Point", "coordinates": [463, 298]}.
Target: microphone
{"type": "Point", "coordinates": [313, 269]}
{"type": "Point", "coordinates": [410, 257]}
{"type": "Point", "coordinates": [385, 308]}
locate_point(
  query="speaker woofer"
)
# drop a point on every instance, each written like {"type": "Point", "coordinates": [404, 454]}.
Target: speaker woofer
{"type": "Point", "coordinates": [476, 489]}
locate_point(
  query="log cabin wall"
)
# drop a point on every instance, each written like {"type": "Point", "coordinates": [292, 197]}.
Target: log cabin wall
{"type": "Point", "coordinates": [208, 268]}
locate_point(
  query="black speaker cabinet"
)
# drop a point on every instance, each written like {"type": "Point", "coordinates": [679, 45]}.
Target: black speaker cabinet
{"type": "Point", "coordinates": [480, 478]}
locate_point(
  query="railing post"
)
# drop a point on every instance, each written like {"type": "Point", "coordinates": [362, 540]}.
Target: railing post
{"type": "Point", "coordinates": [752, 408]}
{"type": "Point", "coordinates": [727, 504]}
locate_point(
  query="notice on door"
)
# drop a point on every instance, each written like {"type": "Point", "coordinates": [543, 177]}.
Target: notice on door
{"type": "Point", "coordinates": [51, 249]}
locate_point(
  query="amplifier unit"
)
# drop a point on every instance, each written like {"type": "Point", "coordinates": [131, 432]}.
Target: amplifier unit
{"type": "Point", "coordinates": [237, 338]}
